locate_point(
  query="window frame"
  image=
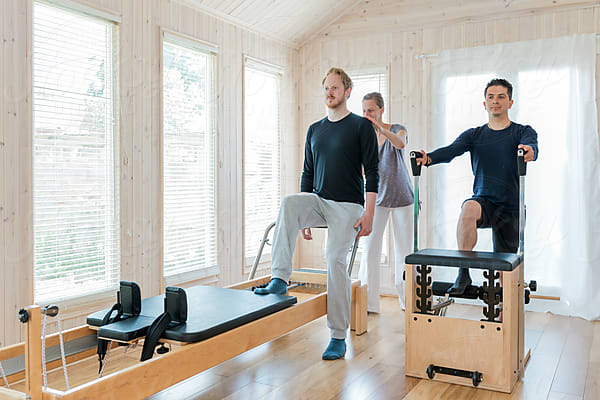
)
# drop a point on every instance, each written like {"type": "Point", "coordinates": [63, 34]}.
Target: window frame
{"type": "Point", "coordinates": [113, 21]}
{"type": "Point", "coordinates": [194, 44]}
{"type": "Point", "coordinates": [272, 69]}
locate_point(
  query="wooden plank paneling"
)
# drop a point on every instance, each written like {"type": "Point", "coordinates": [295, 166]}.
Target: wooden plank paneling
{"type": "Point", "coordinates": [126, 73]}
{"type": "Point", "coordinates": [406, 15]}
{"type": "Point", "coordinates": [17, 236]}
{"type": "Point", "coordinates": [3, 282]}
{"type": "Point", "coordinates": [291, 22]}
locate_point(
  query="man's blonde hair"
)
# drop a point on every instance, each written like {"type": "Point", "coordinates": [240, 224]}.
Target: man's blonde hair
{"type": "Point", "coordinates": [345, 78]}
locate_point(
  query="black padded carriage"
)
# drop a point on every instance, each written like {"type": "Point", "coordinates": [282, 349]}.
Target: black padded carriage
{"type": "Point", "coordinates": [465, 259]}
{"type": "Point", "coordinates": [211, 311]}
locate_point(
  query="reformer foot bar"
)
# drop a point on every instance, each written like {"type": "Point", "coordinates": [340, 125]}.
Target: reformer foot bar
{"type": "Point", "coordinates": [210, 335]}
{"type": "Point", "coordinates": [486, 354]}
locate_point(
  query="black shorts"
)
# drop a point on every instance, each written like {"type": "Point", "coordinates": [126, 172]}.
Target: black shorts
{"type": "Point", "coordinates": [504, 224]}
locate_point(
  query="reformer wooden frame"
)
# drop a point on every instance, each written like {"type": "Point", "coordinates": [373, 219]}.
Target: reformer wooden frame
{"type": "Point", "coordinates": [495, 349]}
{"type": "Point", "coordinates": [159, 373]}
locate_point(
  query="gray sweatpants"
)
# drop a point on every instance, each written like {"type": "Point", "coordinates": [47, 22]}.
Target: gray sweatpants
{"type": "Point", "coordinates": [305, 210]}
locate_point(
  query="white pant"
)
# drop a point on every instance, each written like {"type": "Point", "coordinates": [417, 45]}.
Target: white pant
{"type": "Point", "coordinates": [370, 270]}
{"type": "Point", "coordinates": [305, 210]}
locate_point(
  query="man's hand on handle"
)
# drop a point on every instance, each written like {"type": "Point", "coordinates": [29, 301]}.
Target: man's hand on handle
{"type": "Point", "coordinates": [528, 156]}
{"type": "Point", "coordinates": [424, 159]}
{"type": "Point", "coordinates": [364, 225]}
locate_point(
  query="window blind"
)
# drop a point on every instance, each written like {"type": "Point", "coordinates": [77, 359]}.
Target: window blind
{"type": "Point", "coordinates": [262, 140]}
{"type": "Point", "coordinates": [368, 81]}
{"type": "Point", "coordinates": [189, 175]}
{"type": "Point", "coordinates": [75, 148]}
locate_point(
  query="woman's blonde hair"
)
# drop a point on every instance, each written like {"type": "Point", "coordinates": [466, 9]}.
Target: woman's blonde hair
{"type": "Point", "coordinates": [375, 96]}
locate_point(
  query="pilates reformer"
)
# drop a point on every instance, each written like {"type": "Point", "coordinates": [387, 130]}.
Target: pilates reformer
{"type": "Point", "coordinates": [186, 343]}
{"type": "Point", "coordinates": [488, 353]}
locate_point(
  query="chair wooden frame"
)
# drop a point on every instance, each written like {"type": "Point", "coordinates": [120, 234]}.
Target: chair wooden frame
{"type": "Point", "coordinates": [495, 349]}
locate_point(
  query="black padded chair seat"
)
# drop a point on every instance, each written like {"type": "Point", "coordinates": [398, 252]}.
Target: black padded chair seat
{"type": "Point", "coordinates": [211, 311]}
{"type": "Point", "coordinates": [465, 259]}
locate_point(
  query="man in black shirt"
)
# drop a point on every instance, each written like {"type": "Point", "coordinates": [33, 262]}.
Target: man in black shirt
{"type": "Point", "coordinates": [337, 149]}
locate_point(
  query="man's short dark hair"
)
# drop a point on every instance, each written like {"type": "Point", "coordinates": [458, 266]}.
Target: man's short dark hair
{"type": "Point", "coordinates": [499, 82]}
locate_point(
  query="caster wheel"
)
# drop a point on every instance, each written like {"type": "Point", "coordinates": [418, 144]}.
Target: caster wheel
{"type": "Point", "coordinates": [477, 377]}
{"type": "Point", "coordinates": [430, 371]}
{"type": "Point", "coordinates": [162, 349]}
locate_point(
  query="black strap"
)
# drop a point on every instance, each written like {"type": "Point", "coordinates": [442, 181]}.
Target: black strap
{"type": "Point", "coordinates": [102, 343]}
{"type": "Point", "coordinates": [154, 333]}
{"type": "Point", "coordinates": [129, 304]}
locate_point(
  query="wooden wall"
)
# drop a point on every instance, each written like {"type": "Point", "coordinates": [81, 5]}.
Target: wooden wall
{"type": "Point", "coordinates": [140, 184]}
{"type": "Point", "coordinates": [371, 35]}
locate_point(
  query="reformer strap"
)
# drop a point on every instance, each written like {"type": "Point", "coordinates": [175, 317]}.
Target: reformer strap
{"type": "Point", "coordinates": [102, 343]}
{"type": "Point", "coordinates": [129, 304]}
{"type": "Point", "coordinates": [175, 313]}
{"type": "Point", "coordinates": [156, 330]}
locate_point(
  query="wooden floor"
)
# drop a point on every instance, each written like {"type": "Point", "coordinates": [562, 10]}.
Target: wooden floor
{"type": "Point", "coordinates": [564, 364]}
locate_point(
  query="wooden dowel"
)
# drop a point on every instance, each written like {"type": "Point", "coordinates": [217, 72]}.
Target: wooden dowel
{"type": "Point", "coordinates": [541, 297]}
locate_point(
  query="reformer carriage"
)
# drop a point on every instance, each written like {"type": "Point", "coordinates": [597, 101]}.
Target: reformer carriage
{"type": "Point", "coordinates": [489, 353]}
{"type": "Point", "coordinates": [237, 321]}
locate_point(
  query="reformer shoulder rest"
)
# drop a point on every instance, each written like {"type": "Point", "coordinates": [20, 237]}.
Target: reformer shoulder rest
{"type": "Point", "coordinates": [465, 259]}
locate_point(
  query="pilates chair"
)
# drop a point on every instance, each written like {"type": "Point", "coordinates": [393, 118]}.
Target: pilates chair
{"type": "Point", "coordinates": [487, 354]}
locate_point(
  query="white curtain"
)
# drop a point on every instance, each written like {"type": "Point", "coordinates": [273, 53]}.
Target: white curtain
{"type": "Point", "coordinates": [554, 92]}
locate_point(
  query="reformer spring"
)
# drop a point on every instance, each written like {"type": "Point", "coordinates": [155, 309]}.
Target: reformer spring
{"type": "Point", "coordinates": [52, 311]}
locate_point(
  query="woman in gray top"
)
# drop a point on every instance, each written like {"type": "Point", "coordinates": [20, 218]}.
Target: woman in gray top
{"type": "Point", "coordinates": [394, 197]}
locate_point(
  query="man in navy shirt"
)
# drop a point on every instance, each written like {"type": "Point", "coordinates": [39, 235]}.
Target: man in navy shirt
{"type": "Point", "coordinates": [338, 148]}
{"type": "Point", "coordinates": [495, 201]}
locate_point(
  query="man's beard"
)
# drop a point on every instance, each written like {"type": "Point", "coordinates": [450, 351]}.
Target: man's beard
{"type": "Point", "coordinates": [335, 104]}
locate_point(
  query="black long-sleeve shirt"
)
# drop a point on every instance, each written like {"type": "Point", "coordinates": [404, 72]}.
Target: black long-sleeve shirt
{"type": "Point", "coordinates": [334, 155]}
{"type": "Point", "coordinates": [493, 160]}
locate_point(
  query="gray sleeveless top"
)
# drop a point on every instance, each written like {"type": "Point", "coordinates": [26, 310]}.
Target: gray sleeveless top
{"type": "Point", "coordinates": [395, 189]}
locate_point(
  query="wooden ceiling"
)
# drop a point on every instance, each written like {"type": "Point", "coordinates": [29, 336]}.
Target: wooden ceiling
{"type": "Point", "coordinates": [292, 21]}
{"type": "Point", "coordinates": [298, 22]}
{"type": "Point", "coordinates": [402, 15]}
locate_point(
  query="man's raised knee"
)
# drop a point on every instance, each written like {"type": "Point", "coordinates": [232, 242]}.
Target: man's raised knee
{"type": "Point", "coordinates": [471, 211]}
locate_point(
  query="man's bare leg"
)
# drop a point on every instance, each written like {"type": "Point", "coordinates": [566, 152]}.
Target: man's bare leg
{"type": "Point", "coordinates": [466, 236]}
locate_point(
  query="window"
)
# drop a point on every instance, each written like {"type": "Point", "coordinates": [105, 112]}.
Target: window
{"type": "Point", "coordinates": [262, 176]}
{"type": "Point", "coordinates": [75, 147]}
{"type": "Point", "coordinates": [364, 82]}
{"type": "Point", "coordinates": [189, 175]}
{"type": "Point", "coordinates": [368, 81]}
{"type": "Point", "coordinates": [465, 110]}
{"type": "Point", "coordinates": [554, 92]}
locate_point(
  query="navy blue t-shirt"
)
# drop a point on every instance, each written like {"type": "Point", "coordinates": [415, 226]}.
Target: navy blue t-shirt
{"type": "Point", "coordinates": [334, 155]}
{"type": "Point", "coordinates": [493, 160]}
